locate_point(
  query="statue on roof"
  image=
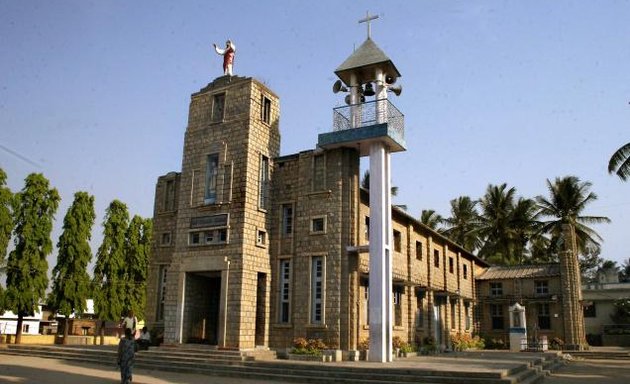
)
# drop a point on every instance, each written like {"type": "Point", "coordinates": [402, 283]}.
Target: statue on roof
{"type": "Point", "coordinates": [228, 56]}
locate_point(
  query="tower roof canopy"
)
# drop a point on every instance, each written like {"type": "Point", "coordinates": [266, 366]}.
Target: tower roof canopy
{"type": "Point", "coordinates": [363, 62]}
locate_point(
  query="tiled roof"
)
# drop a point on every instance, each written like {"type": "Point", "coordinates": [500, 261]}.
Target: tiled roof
{"type": "Point", "coordinates": [367, 56]}
{"type": "Point", "coordinates": [520, 272]}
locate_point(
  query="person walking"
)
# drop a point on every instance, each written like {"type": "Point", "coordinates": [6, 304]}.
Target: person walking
{"type": "Point", "coordinates": [127, 348]}
{"type": "Point", "coordinates": [130, 322]}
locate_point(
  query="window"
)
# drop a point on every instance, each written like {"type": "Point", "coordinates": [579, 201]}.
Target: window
{"type": "Point", "coordinates": [465, 271]}
{"type": "Point", "coordinates": [397, 241]}
{"type": "Point", "coordinates": [169, 195]}
{"type": "Point", "coordinates": [453, 314]}
{"type": "Point", "coordinates": [165, 240]}
{"type": "Point", "coordinates": [541, 287]}
{"type": "Point", "coordinates": [544, 320]}
{"type": "Point", "coordinates": [468, 315]}
{"type": "Point", "coordinates": [496, 313]}
{"type": "Point", "coordinates": [318, 225]}
{"type": "Point", "coordinates": [398, 293]}
{"type": "Point", "coordinates": [367, 228]}
{"type": "Point", "coordinates": [496, 289]}
{"type": "Point", "coordinates": [287, 219]}
{"type": "Point", "coordinates": [419, 309]}
{"type": "Point", "coordinates": [261, 238]}
{"type": "Point", "coordinates": [319, 172]}
{"type": "Point", "coordinates": [365, 302]}
{"type": "Point", "coordinates": [285, 287]}
{"type": "Point", "coordinates": [418, 250]}
{"type": "Point", "coordinates": [25, 328]}
{"type": "Point", "coordinates": [451, 267]}
{"type": "Point", "coordinates": [590, 310]}
{"type": "Point", "coordinates": [161, 292]}
{"type": "Point", "coordinates": [436, 258]}
{"type": "Point", "coordinates": [265, 111]}
{"type": "Point", "coordinates": [208, 237]}
{"type": "Point", "coordinates": [264, 182]}
{"type": "Point", "coordinates": [218, 107]}
{"type": "Point", "coordinates": [212, 171]}
{"type": "Point", "coordinates": [317, 289]}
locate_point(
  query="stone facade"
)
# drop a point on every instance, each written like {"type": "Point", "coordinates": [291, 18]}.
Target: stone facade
{"type": "Point", "coordinates": [538, 288]}
{"type": "Point", "coordinates": [209, 274]}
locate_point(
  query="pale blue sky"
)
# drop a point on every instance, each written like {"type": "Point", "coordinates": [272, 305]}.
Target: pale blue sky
{"type": "Point", "coordinates": [95, 94]}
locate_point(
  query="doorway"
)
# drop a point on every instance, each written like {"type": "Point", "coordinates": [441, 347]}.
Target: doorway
{"type": "Point", "coordinates": [201, 308]}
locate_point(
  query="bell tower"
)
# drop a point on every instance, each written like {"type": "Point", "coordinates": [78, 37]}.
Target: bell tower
{"type": "Point", "coordinates": [375, 127]}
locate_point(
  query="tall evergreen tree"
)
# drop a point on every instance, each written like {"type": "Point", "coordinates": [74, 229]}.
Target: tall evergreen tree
{"type": "Point", "coordinates": [137, 245]}
{"type": "Point", "coordinates": [6, 227]}
{"type": "Point", "coordinates": [71, 282]}
{"type": "Point", "coordinates": [109, 270]}
{"type": "Point", "coordinates": [27, 269]}
{"type": "Point", "coordinates": [6, 214]}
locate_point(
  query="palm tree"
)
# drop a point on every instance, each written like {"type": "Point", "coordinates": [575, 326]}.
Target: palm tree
{"type": "Point", "coordinates": [462, 225]}
{"type": "Point", "coordinates": [431, 219]}
{"type": "Point", "coordinates": [494, 224]}
{"type": "Point", "coordinates": [568, 197]}
{"type": "Point", "coordinates": [620, 162]}
{"type": "Point", "coordinates": [523, 228]}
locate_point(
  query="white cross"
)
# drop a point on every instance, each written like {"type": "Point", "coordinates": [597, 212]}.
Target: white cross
{"type": "Point", "coordinates": [367, 20]}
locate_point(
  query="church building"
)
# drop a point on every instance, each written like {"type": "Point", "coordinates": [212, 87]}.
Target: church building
{"type": "Point", "coordinates": [253, 249]}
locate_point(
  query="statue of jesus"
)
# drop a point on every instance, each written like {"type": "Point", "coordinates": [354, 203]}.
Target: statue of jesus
{"type": "Point", "coordinates": [228, 56]}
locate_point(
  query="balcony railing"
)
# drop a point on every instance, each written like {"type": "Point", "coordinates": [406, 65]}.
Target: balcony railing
{"type": "Point", "coordinates": [369, 113]}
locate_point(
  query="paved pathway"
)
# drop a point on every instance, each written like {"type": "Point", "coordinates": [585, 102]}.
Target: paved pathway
{"type": "Point", "coordinates": [36, 370]}
{"type": "Point", "coordinates": [592, 371]}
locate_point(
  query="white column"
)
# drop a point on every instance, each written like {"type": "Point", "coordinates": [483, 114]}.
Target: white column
{"type": "Point", "coordinates": [380, 275]}
{"type": "Point", "coordinates": [381, 97]}
{"type": "Point", "coordinates": [355, 100]}
{"type": "Point", "coordinates": [179, 314]}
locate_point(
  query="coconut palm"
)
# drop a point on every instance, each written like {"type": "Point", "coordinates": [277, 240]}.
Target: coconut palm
{"type": "Point", "coordinates": [619, 163]}
{"type": "Point", "coordinates": [523, 228]}
{"type": "Point", "coordinates": [568, 197]}
{"type": "Point", "coordinates": [431, 219]}
{"type": "Point", "coordinates": [494, 224]}
{"type": "Point", "coordinates": [462, 225]}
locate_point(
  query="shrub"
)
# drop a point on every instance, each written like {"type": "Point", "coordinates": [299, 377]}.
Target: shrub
{"type": "Point", "coordinates": [301, 346]}
{"type": "Point", "coordinates": [556, 343]}
{"type": "Point", "coordinates": [494, 343]}
{"type": "Point", "coordinates": [463, 341]}
{"type": "Point", "coordinates": [364, 344]}
{"type": "Point", "coordinates": [397, 342]}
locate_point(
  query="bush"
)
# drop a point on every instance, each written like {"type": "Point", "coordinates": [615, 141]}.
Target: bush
{"type": "Point", "coordinates": [494, 343]}
{"type": "Point", "coordinates": [364, 344]}
{"type": "Point", "coordinates": [314, 347]}
{"type": "Point", "coordinates": [463, 341]}
{"type": "Point", "coordinates": [556, 343]}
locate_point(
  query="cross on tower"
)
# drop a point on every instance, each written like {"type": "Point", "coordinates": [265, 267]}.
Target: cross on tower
{"type": "Point", "coordinates": [367, 20]}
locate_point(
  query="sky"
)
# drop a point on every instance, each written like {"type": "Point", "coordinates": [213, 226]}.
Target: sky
{"type": "Point", "coordinates": [95, 94]}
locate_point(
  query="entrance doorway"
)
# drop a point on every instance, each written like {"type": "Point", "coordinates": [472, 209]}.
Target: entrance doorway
{"type": "Point", "coordinates": [261, 309]}
{"type": "Point", "coordinates": [202, 307]}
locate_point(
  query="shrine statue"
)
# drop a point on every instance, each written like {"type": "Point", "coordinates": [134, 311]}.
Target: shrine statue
{"type": "Point", "coordinates": [228, 56]}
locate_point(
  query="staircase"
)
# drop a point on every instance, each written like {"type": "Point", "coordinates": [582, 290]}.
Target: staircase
{"type": "Point", "coordinates": [262, 365]}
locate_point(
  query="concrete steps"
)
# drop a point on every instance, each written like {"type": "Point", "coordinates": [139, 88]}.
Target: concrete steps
{"type": "Point", "coordinates": [600, 355]}
{"type": "Point", "coordinates": [245, 364]}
